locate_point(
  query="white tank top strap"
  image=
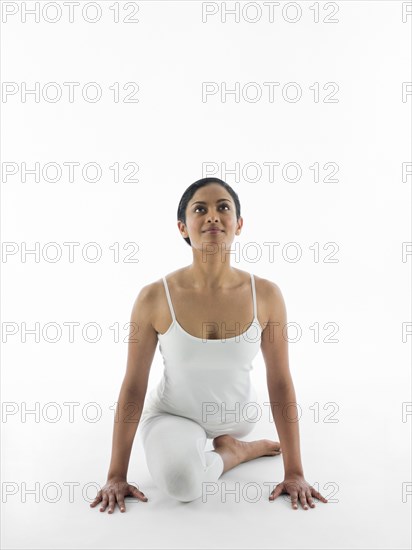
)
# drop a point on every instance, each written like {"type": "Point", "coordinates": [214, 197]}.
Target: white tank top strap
{"type": "Point", "coordinates": [254, 296]}
{"type": "Point", "coordinates": [169, 299]}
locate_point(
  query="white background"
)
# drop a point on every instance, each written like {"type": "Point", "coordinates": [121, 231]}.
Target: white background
{"type": "Point", "coordinates": [357, 452]}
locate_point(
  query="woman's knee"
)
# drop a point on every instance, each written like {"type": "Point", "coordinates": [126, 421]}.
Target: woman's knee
{"type": "Point", "coordinates": [183, 482]}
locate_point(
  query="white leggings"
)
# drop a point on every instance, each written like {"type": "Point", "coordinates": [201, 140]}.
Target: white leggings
{"type": "Point", "coordinates": [176, 458]}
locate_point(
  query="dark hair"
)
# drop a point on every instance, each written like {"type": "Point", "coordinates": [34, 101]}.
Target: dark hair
{"type": "Point", "coordinates": [191, 190]}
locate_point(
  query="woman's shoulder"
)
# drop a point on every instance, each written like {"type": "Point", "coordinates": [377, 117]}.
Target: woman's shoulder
{"type": "Point", "coordinates": [268, 292]}
{"type": "Point", "coordinates": [263, 284]}
{"type": "Point", "coordinates": [151, 290]}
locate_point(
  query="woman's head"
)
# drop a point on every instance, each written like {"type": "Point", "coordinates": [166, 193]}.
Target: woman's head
{"type": "Point", "coordinates": [216, 203]}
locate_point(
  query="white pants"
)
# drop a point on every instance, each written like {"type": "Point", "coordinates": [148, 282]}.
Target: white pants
{"type": "Point", "coordinates": [176, 458]}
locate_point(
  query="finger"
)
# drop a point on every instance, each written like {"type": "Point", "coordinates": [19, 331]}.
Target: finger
{"type": "Point", "coordinates": [104, 503]}
{"type": "Point", "coordinates": [120, 502]}
{"type": "Point", "coordinates": [276, 492]}
{"type": "Point", "coordinates": [317, 495]}
{"type": "Point", "coordinates": [302, 497]}
{"type": "Point", "coordinates": [294, 497]}
{"type": "Point", "coordinates": [112, 502]}
{"type": "Point", "coordinates": [97, 499]}
{"type": "Point", "coordinates": [310, 499]}
{"type": "Point", "coordinates": [138, 494]}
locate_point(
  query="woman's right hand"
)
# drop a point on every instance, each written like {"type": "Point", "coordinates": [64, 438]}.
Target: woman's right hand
{"type": "Point", "coordinates": [114, 490]}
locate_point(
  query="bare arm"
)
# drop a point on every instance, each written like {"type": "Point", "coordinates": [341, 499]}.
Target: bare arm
{"type": "Point", "coordinates": [282, 396]}
{"type": "Point", "coordinates": [141, 348]}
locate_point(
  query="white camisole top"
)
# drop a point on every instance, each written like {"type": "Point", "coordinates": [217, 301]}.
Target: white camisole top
{"type": "Point", "coordinates": [208, 380]}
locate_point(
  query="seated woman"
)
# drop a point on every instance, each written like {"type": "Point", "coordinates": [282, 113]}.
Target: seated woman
{"type": "Point", "coordinates": [210, 320]}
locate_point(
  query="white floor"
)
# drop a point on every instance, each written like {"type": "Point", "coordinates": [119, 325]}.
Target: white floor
{"type": "Point", "coordinates": [361, 475]}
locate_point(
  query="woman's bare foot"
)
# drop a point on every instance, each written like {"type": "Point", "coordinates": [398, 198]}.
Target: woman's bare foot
{"type": "Point", "coordinates": [234, 452]}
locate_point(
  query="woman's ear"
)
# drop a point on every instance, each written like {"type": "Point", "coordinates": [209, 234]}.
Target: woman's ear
{"type": "Point", "coordinates": [240, 222]}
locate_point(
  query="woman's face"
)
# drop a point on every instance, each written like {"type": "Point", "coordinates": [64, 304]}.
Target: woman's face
{"type": "Point", "coordinates": [211, 205]}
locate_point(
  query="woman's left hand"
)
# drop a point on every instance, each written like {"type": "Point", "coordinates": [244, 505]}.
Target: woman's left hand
{"type": "Point", "coordinates": [298, 488]}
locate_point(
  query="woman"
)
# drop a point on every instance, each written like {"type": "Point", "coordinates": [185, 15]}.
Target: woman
{"type": "Point", "coordinates": [205, 390]}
